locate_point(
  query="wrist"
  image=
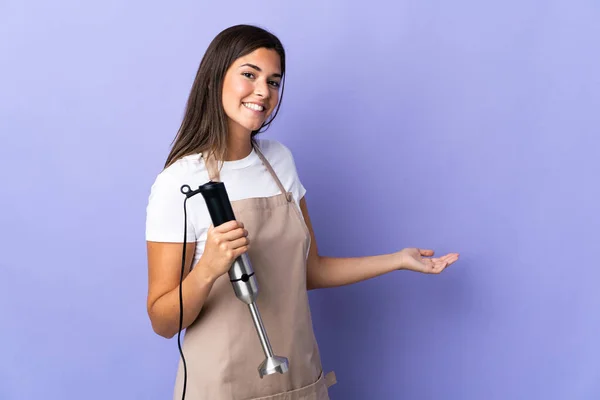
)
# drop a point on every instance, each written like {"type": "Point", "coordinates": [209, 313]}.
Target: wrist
{"type": "Point", "coordinates": [400, 260]}
{"type": "Point", "coordinates": [203, 275]}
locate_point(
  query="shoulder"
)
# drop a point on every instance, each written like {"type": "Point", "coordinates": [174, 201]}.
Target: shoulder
{"type": "Point", "coordinates": [275, 151]}
{"type": "Point", "coordinates": [165, 207]}
{"type": "Point", "coordinates": [187, 170]}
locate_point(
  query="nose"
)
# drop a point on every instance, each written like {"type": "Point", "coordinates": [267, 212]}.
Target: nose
{"type": "Point", "coordinates": [261, 89]}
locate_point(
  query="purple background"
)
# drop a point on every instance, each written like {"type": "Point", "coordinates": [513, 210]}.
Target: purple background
{"type": "Point", "coordinates": [460, 126]}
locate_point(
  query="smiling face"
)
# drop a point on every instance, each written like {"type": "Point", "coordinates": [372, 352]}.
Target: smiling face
{"type": "Point", "coordinates": [251, 90]}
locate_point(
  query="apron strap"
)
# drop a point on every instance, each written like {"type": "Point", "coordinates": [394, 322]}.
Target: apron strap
{"type": "Point", "coordinates": [212, 167]}
{"type": "Point", "coordinates": [266, 163]}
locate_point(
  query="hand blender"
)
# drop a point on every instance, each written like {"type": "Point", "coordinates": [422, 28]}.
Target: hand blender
{"type": "Point", "coordinates": [241, 274]}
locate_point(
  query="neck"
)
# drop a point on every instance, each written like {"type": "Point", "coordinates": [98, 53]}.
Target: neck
{"type": "Point", "coordinates": [239, 144]}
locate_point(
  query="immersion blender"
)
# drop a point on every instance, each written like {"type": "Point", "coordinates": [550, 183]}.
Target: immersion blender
{"type": "Point", "coordinates": [241, 273]}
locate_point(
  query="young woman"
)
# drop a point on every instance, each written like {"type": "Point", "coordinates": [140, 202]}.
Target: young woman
{"type": "Point", "coordinates": [236, 93]}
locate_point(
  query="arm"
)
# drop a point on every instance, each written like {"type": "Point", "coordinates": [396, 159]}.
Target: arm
{"type": "Point", "coordinates": [164, 272]}
{"type": "Point", "coordinates": [223, 245]}
{"type": "Point", "coordinates": [323, 272]}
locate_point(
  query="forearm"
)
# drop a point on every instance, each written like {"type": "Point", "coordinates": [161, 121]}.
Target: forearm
{"type": "Point", "coordinates": [195, 289]}
{"type": "Point", "coordinates": [327, 272]}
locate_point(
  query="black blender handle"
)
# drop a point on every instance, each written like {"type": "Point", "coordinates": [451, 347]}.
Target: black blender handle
{"type": "Point", "coordinates": [217, 201]}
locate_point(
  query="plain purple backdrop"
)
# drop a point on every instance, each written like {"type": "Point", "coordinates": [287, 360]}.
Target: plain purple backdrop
{"type": "Point", "coordinates": [460, 126]}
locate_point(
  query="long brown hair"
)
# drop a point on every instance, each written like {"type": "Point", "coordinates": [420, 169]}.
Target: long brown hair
{"type": "Point", "coordinates": [204, 125]}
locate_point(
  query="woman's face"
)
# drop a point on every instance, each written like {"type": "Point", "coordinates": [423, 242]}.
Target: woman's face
{"type": "Point", "coordinates": [251, 89]}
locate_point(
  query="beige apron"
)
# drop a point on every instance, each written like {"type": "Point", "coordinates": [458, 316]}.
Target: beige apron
{"type": "Point", "coordinates": [221, 348]}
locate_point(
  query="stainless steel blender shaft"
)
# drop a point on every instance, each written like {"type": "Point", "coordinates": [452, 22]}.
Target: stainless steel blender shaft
{"type": "Point", "coordinates": [245, 287]}
{"type": "Point", "coordinates": [260, 329]}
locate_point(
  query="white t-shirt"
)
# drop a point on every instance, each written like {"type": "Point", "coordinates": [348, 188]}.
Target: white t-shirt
{"type": "Point", "coordinates": [245, 178]}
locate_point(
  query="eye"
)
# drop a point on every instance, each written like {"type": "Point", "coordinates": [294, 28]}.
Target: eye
{"type": "Point", "coordinates": [248, 75]}
{"type": "Point", "coordinates": [274, 83]}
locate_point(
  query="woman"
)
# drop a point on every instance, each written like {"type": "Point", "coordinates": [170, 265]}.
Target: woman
{"type": "Point", "coordinates": [236, 93]}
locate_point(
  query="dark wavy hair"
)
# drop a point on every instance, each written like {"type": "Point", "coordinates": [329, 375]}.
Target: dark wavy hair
{"type": "Point", "coordinates": [204, 125]}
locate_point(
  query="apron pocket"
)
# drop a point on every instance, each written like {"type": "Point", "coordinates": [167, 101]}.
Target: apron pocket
{"type": "Point", "coordinates": [313, 391]}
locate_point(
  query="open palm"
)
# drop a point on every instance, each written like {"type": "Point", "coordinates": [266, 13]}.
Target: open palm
{"type": "Point", "coordinates": [415, 259]}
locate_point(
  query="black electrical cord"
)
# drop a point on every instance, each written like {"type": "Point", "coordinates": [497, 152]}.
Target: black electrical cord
{"type": "Point", "coordinates": [185, 189]}
{"type": "Point", "coordinates": [181, 296]}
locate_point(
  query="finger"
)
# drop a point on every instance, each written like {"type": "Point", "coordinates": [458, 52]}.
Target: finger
{"type": "Point", "coordinates": [440, 264]}
{"type": "Point", "coordinates": [241, 242]}
{"type": "Point", "coordinates": [233, 234]}
{"type": "Point", "coordinates": [426, 252]}
{"type": "Point", "coordinates": [446, 261]}
{"type": "Point", "coordinates": [227, 226]}
{"type": "Point", "coordinates": [240, 250]}
{"type": "Point", "coordinates": [447, 258]}
{"type": "Point", "coordinates": [441, 267]}
{"type": "Point", "coordinates": [450, 258]}
{"type": "Point", "coordinates": [452, 255]}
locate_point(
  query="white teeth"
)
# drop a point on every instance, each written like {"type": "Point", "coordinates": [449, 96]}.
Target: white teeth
{"type": "Point", "coordinates": [253, 106]}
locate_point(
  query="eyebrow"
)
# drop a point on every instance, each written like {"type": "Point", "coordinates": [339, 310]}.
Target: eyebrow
{"type": "Point", "coordinates": [258, 69]}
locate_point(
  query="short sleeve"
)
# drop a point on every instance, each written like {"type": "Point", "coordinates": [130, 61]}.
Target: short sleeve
{"type": "Point", "coordinates": [297, 188]}
{"type": "Point", "coordinates": [165, 212]}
